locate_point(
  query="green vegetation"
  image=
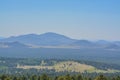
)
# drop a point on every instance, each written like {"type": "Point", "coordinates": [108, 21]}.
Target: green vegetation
{"type": "Point", "coordinates": [69, 66]}
{"type": "Point", "coordinates": [54, 66]}
{"type": "Point", "coordinates": [62, 77]}
{"type": "Point", "coordinates": [56, 69]}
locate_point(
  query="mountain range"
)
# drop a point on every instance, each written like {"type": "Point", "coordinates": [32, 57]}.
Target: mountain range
{"type": "Point", "coordinates": [54, 40]}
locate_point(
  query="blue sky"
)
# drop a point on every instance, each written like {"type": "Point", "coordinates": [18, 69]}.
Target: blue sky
{"type": "Point", "coordinates": [80, 19]}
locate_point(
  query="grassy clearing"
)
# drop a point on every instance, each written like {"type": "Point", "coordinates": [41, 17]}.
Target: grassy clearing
{"type": "Point", "coordinates": [70, 66]}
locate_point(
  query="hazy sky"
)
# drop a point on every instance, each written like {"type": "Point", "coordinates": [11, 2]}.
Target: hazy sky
{"type": "Point", "coordinates": [80, 19]}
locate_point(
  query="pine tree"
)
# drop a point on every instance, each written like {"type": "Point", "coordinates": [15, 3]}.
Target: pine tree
{"type": "Point", "coordinates": [79, 77]}
{"type": "Point", "coordinates": [101, 77]}
{"type": "Point", "coordinates": [44, 77]}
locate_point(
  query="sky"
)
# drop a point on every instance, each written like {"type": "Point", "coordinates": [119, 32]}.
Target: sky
{"type": "Point", "coordinates": [78, 19]}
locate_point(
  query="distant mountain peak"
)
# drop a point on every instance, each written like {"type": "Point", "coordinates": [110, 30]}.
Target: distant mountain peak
{"type": "Point", "coordinates": [52, 34]}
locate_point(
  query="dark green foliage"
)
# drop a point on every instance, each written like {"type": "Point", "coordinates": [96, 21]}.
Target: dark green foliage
{"type": "Point", "coordinates": [60, 77]}
{"type": "Point", "coordinates": [118, 78]}
{"type": "Point", "coordinates": [101, 77]}
{"type": "Point", "coordinates": [79, 77]}
{"type": "Point", "coordinates": [44, 77]}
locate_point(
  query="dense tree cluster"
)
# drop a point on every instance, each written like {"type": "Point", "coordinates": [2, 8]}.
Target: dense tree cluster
{"type": "Point", "coordinates": [62, 77]}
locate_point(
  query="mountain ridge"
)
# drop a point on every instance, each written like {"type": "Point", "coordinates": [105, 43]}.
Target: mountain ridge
{"type": "Point", "coordinates": [54, 39]}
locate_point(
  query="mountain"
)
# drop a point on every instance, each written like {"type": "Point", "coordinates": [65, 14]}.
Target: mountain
{"type": "Point", "coordinates": [54, 40]}
{"type": "Point", "coordinates": [102, 42]}
{"type": "Point", "coordinates": [46, 39]}
{"type": "Point", "coordinates": [117, 43]}
{"type": "Point", "coordinates": [83, 44]}
{"type": "Point", "coordinates": [99, 44]}
{"type": "Point", "coordinates": [108, 45]}
{"type": "Point", "coordinates": [112, 46]}
{"type": "Point", "coordinates": [12, 45]}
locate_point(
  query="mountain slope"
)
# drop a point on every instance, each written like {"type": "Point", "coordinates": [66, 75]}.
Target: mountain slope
{"type": "Point", "coordinates": [117, 43]}
{"type": "Point", "coordinates": [83, 43]}
{"type": "Point", "coordinates": [47, 39]}
{"type": "Point", "coordinates": [12, 45]}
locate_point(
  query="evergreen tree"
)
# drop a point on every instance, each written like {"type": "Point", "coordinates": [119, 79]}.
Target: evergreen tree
{"type": "Point", "coordinates": [68, 77]}
{"type": "Point", "coordinates": [79, 77]}
{"type": "Point", "coordinates": [56, 78]}
{"type": "Point", "coordinates": [118, 78]}
{"type": "Point", "coordinates": [44, 77]}
{"type": "Point", "coordinates": [39, 78]}
{"type": "Point", "coordinates": [101, 77]}
{"type": "Point", "coordinates": [61, 78]}
{"type": "Point", "coordinates": [73, 78]}
{"type": "Point", "coordinates": [34, 77]}
{"type": "Point", "coordinates": [4, 77]}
